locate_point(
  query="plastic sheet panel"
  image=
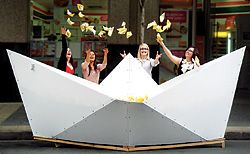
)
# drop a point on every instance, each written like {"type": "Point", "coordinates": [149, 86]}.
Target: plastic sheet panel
{"type": "Point", "coordinates": [108, 125]}
{"type": "Point", "coordinates": [129, 79]}
{"type": "Point", "coordinates": [149, 127]}
{"type": "Point", "coordinates": [54, 100]}
{"type": "Point", "coordinates": [201, 99]}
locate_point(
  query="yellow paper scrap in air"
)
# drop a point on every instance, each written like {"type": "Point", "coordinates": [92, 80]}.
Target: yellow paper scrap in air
{"type": "Point", "coordinates": [122, 30]}
{"type": "Point", "coordinates": [123, 23]}
{"type": "Point", "coordinates": [109, 30]}
{"type": "Point", "coordinates": [129, 34]}
{"type": "Point", "coordinates": [80, 14]}
{"type": "Point", "coordinates": [70, 22]}
{"type": "Point", "coordinates": [101, 33]}
{"type": "Point", "coordinates": [80, 7]}
{"type": "Point", "coordinates": [152, 24]}
{"type": "Point", "coordinates": [68, 33]}
{"type": "Point", "coordinates": [91, 28]}
{"type": "Point", "coordinates": [86, 27]}
{"type": "Point", "coordinates": [70, 13]}
{"type": "Point", "coordinates": [158, 37]}
{"type": "Point", "coordinates": [168, 24]}
{"type": "Point", "coordinates": [162, 17]}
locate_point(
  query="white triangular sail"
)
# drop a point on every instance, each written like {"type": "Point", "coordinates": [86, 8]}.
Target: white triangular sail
{"type": "Point", "coordinates": [129, 79]}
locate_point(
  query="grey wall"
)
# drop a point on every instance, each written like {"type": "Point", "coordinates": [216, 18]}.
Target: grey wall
{"type": "Point", "coordinates": [14, 26]}
{"type": "Point", "coordinates": [14, 20]}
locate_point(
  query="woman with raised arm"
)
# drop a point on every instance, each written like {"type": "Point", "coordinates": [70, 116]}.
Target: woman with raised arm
{"type": "Point", "coordinates": [65, 62]}
{"type": "Point", "coordinates": [144, 59]}
{"type": "Point", "coordinates": [188, 62]}
{"type": "Point", "coordinates": [91, 70]}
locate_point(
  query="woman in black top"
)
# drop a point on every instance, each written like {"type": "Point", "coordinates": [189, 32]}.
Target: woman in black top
{"type": "Point", "coordinates": [66, 60]}
{"type": "Point", "coordinates": [188, 62]}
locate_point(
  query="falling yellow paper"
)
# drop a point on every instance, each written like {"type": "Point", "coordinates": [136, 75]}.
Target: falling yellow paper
{"type": "Point", "coordinates": [86, 27]}
{"type": "Point", "coordinates": [80, 14]}
{"type": "Point", "coordinates": [105, 28]}
{"type": "Point", "coordinates": [129, 34]}
{"type": "Point", "coordinates": [154, 24]}
{"type": "Point", "coordinates": [80, 7]}
{"type": "Point", "coordinates": [123, 23]}
{"type": "Point", "coordinates": [158, 28]}
{"type": "Point", "coordinates": [70, 22]}
{"type": "Point", "coordinates": [162, 17]}
{"type": "Point", "coordinates": [70, 13]}
{"type": "Point", "coordinates": [109, 30]}
{"type": "Point", "coordinates": [122, 30]}
{"type": "Point", "coordinates": [158, 37]}
{"type": "Point", "coordinates": [101, 33]}
{"type": "Point", "coordinates": [91, 28]}
{"type": "Point", "coordinates": [68, 33]}
{"type": "Point", "coordinates": [168, 24]}
{"type": "Point", "coordinates": [83, 26]}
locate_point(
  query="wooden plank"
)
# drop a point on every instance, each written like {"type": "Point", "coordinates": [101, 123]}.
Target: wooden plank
{"type": "Point", "coordinates": [212, 142]}
{"type": "Point", "coordinates": [135, 148]}
{"type": "Point", "coordinates": [108, 147]}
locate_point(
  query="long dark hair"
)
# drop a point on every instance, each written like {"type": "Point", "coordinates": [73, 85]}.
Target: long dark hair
{"type": "Point", "coordinates": [177, 68]}
{"type": "Point", "coordinates": [95, 64]}
{"type": "Point", "coordinates": [62, 63]}
{"type": "Point", "coordinates": [195, 52]}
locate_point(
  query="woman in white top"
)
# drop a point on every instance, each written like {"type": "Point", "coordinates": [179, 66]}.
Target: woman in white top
{"type": "Point", "coordinates": [188, 62]}
{"type": "Point", "coordinates": [143, 56]}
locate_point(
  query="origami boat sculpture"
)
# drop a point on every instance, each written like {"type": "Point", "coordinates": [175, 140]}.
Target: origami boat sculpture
{"type": "Point", "coordinates": [190, 108]}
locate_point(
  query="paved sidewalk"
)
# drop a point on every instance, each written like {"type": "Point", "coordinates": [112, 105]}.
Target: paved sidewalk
{"type": "Point", "coordinates": [14, 124]}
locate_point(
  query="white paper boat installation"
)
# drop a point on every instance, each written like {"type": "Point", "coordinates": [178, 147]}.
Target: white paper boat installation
{"type": "Point", "coordinates": [193, 107]}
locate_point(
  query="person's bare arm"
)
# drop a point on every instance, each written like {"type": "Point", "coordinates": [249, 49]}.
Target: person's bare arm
{"type": "Point", "coordinates": [105, 58]}
{"type": "Point", "coordinates": [85, 64]}
{"type": "Point", "coordinates": [173, 58]}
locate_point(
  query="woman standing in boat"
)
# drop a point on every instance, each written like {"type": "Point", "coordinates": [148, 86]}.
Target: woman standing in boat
{"type": "Point", "coordinates": [65, 62]}
{"type": "Point", "coordinates": [90, 69]}
{"type": "Point", "coordinates": [143, 57]}
{"type": "Point", "coordinates": [188, 62]}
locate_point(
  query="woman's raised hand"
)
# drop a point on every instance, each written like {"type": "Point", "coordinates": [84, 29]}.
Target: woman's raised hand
{"type": "Point", "coordinates": [106, 50]}
{"type": "Point", "coordinates": [63, 30]}
{"type": "Point", "coordinates": [158, 56]}
{"type": "Point", "coordinates": [123, 54]}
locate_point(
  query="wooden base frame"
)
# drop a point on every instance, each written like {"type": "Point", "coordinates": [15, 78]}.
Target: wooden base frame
{"type": "Point", "coordinates": [220, 142]}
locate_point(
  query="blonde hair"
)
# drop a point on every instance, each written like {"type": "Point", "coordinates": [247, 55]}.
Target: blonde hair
{"type": "Point", "coordinates": [139, 51]}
